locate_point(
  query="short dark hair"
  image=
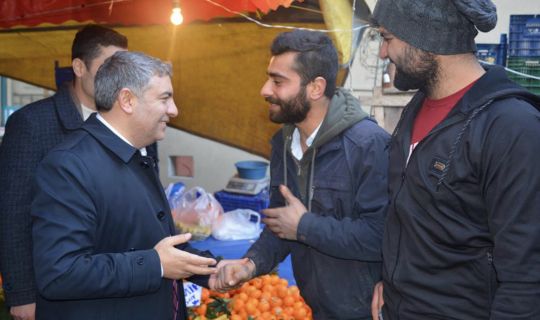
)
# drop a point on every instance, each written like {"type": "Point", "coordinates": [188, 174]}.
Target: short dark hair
{"type": "Point", "coordinates": [317, 56]}
{"type": "Point", "coordinates": [89, 40]}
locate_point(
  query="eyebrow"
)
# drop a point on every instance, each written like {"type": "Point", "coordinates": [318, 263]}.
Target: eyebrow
{"type": "Point", "coordinates": [166, 94]}
{"type": "Point", "coordinates": [276, 75]}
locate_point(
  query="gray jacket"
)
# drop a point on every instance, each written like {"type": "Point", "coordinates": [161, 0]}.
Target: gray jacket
{"type": "Point", "coordinates": [341, 179]}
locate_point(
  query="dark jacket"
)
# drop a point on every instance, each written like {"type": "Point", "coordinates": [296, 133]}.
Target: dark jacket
{"type": "Point", "coordinates": [30, 133]}
{"type": "Point", "coordinates": [98, 212]}
{"type": "Point", "coordinates": [462, 238]}
{"type": "Point", "coordinates": [336, 260]}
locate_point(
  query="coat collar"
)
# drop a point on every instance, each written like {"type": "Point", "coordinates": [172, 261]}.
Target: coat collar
{"type": "Point", "coordinates": [108, 139]}
{"type": "Point", "coordinates": [66, 108]}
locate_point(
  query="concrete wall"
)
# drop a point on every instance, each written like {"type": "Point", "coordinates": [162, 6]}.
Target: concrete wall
{"type": "Point", "coordinates": [213, 161]}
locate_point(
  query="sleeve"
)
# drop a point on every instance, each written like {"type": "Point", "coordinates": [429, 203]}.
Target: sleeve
{"type": "Point", "coordinates": [64, 233]}
{"type": "Point", "coordinates": [201, 280]}
{"type": "Point", "coordinates": [19, 156]}
{"type": "Point", "coordinates": [269, 250]}
{"type": "Point", "coordinates": [359, 238]}
{"type": "Point", "coordinates": [511, 185]}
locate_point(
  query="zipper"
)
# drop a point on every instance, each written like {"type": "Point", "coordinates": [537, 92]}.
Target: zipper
{"type": "Point", "coordinates": [489, 256]}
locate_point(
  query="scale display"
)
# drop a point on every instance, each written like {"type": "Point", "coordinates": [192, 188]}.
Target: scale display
{"type": "Point", "coordinates": [246, 186]}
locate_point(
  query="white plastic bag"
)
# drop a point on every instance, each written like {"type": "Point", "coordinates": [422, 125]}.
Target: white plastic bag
{"type": "Point", "coordinates": [195, 211]}
{"type": "Point", "coordinates": [238, 224]}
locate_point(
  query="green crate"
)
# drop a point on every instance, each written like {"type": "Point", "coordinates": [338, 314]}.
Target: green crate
{"type": "Point", "coordinates": [526, 65]}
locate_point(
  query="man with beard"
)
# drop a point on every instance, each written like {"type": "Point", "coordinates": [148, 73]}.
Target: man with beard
{"type": "Point", "coordinates": [462, 237]}
{"type": "Point", "coordinates": [328, 183]}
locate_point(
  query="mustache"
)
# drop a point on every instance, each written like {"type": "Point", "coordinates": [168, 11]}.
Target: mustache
{"type": "Point", "coordinates": [273, 100]}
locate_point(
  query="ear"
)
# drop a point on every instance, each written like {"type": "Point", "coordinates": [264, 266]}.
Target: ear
{"type": "Point", "coordinates": [79, 68]}
{"type": "Point", "coordinates": [126, 100]}
{"type": "Point", "coordinates": [316, 88]}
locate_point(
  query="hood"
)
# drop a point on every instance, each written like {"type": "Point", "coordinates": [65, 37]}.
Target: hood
{"type": "Point", "coordinates": [493, 85]}
{"type": "Point", "coordinates": [344, 111]}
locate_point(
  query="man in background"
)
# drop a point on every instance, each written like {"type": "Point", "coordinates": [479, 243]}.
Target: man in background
{"type": "Point", "coordinates": [328, 183]}
{"type": "Point", "coordinates": [462, 237]}
{"type": "Point", "coordinates": [30, 133]}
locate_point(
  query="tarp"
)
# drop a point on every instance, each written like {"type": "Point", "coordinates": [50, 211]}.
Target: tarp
{"type": "Point", "coordinates": [29, 13]}
{"type": "Point", "coordinates": [219, 68]}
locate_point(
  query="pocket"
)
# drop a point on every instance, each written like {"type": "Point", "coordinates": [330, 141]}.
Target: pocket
{"type": "Point", "coordinates": [332, 197]}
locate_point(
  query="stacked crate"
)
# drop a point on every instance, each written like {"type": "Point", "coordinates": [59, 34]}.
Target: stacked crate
{"type": "Point", "coordinates": [524, 50]}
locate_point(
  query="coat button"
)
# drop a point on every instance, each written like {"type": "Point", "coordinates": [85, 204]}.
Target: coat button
{"type": "Point", "coordinates": [140, 261]}
{"type": "Point", "coordinates": [161, 215]}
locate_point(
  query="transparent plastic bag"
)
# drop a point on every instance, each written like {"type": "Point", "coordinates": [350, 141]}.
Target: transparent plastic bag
{"type": "Point", "coordinates": [195, 211]}
{"type": "Point", "coordinates": [238, 224]}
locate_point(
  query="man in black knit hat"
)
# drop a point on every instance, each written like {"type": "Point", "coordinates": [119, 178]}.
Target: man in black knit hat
{"type": "Point", "coordinates": [462, 236]}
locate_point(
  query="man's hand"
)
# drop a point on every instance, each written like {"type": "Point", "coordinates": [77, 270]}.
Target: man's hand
{"type": "Point", "coordinates": [23, 312]}
{"type": "Point", "coordinates": [284, 221]}
{"type": "Point", "coordinates": [377, 302]}
{"type": "Point", "coordinates": [231, 274]}
{"type": "Point", "coordinates": [178, 264]}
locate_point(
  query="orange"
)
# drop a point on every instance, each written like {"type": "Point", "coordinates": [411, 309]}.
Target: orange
{"type": "Point", "coordinates": [250, 308]}
{"type": "Point", "coordinates": [238, 304]}
{"type": "Point", "coordinates": [276, 302]}
{"type": "Point", "coordinates": [300, 313]}
{"type": "Point", "coordinates": [264, 305]}
{"type": "Point", "coordinates": [288, 301]}
{"type": "Point", "coordinates": [257, 283]}
{"type": "Point", "coordinates": [201, 310]}
{"type": "Point", "coordinates": [282, 292]}
{"type": "Point", "coordinates": [242, 296]}
{"type": "Point", "coordinates": [205, 294]}
{"type": "Point", "coordinates": [256, 294]}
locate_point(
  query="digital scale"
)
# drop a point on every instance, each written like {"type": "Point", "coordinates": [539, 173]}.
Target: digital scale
{"type": "Point", "coordinates": [246, 186]}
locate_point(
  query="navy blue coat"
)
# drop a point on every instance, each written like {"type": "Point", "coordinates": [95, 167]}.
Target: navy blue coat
{"type": "Point", "coordinates": [30, 133]}
{"type": "Point", "coordinates": [98, 212]}
{"type": "Point", "coordinates": [337, 258]}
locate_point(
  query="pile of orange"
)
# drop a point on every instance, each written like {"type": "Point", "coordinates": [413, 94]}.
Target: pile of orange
{"type": "Point", "coordinates": [262, 298]}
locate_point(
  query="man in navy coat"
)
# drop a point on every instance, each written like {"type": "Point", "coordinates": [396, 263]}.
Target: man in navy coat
{"type": "Point", "coordinates": [104, 239]}
{"type": "Point", "coordinates": [30, 133]}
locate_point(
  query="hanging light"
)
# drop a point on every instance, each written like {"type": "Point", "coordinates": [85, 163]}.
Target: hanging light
{"type": "Point", "coordinates": [176, 15]}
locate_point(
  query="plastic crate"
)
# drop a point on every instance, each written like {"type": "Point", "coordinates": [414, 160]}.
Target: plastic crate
{"type": "Point", "coordinates": [232, 201]}
{"type": "Point", "coordinates": [524, 40]}
{"type": "Point", "coordinates": [487, 52]}
{"type": "Point", "coordinates": [526, 65]}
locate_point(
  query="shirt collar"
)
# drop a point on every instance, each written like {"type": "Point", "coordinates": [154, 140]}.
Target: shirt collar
{"type": "Point", "coordinates": [108, 125]}
{"type": "Point", "coordinates": [86, 112]}
{"type": "Point", "coordinates": [296, 146]}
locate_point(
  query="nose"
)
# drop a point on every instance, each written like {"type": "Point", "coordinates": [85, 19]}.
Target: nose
{"type": "Point", "coordinates": [266, 89]}
{"type": "Point", "coordinates": [172, 110]}
{"type": "Point", "coordinates": [383, 50]}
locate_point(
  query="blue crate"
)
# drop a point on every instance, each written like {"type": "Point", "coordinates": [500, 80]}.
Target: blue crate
{"type": "Point", "coordinates": [524, 40]}
{"type": "Point", "coordinates": [487, 52]}
{"type": "Point", "coordinates": [232, 201]}
{"type": "Point", "coordinates": [518, 21]}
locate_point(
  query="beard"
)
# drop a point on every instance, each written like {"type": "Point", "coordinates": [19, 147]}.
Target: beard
{"type": "Point", "coordinates": [291, 111]}
{"type": "Point", "coordinates": [416, 69]}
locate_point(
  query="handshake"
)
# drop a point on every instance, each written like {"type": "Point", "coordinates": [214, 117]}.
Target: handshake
{"type": "Point", "coordinates": [231, 274]}
{"type": "Point", "coordinates": [179, 264]}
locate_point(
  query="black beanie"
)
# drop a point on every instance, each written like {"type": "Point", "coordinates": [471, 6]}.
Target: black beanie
{"type": "Point", "coordinates": [437, 26]}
